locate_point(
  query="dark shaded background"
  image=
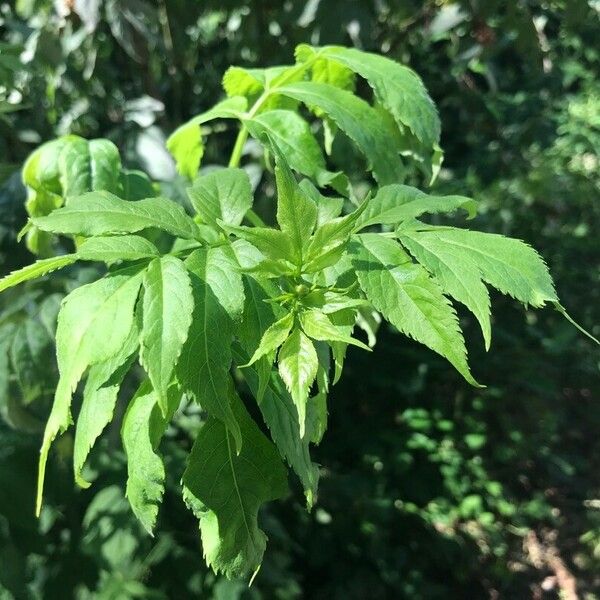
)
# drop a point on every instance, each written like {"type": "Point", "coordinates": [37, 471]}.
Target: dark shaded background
{"type": "Point", "coordinates": [430, 489]}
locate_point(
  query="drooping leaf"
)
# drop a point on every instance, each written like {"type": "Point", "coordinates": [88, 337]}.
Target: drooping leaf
{"type": "Point", "coordinates": [185, 143]}
{"type": "Point", "coordinates": [99, 400]}
{"type": "Point", "coordinates": [407, 297]}
{"type": "Point", "coordinates": [35, 270]}
{"type": "Point", "coordinates": [298, 363]}
{"type": "Point", "coordinates": [362, 123]}
{"type": "Point", "coordinates": [166, 320]}
{"type": "Point", "coordinates": [111, 249]}
{"type": "Point", "coordinates": [101, 213]}
{"type": "Point", "coordinates": [224, 195]}
{"type": "Point", "coordinates": [226, 490]}
{"type": "Point", "coordinates": [281, 417]}
{"type": "Point", "coordinates": [143, 427]}
{"type": "Point", "coordinates": [395, 203]}
{"type": "Point", "coordinates": [203, 367]}
{"type": "Point", "coordinates": [83, 339]}
{"type": "Point", "coordinates": [397, 87]}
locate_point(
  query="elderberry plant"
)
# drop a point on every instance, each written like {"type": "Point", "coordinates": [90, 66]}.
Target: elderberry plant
{"type": "Point", "coordinates": [232, 300]}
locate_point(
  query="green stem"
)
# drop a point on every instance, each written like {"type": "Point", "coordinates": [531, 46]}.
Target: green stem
{"type": "Point", "coordinates": [242, 136]}
{"type": "Point", "coordinates": [236, 154]}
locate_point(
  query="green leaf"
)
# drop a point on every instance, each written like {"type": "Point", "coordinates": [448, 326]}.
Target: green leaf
{"type": "Point", "coordinates": [407, 297]}
{"type": "Point", "coordinates": [135, 185]}
{"type": "Point", "coordinates": [111, 249]}
{"type": "Point", "coordinates": [458, 275]}
{"type": "Point", "coordinates": [281, 417]}
{"type": "Point", "coordinates": [143, 426]}
{"type": "Point", "coordinates": [88, 166]}
{"type": "Point", "coordinates": [318, 326]}
{"type": "Point", "coordinates": [362, 123]}
{"type": "Point", "coordinates": [396, 203]}
{"type": "Point", "coordinates": [238, 81]}
{"type": "Point", "coordinates": [398, 88]}
{"type": "Point", "coordinates": [330, 239]}
{"type": "Point", "coordinates": [224, 195]}
{"type": "Point", "coordinates": [345, 320]}
{"type": "Point", "coordinates": [296, 212]}
{"type": "Point", "coordinates": [166, 320]}
{"type": "Point", "coordinates": [509, 265]}
{"type": "Point", "coordinates": [327, 208]}
{"type": "Point", "coordinates": [298, 363]}
{"type": "Point", "coordinates": [101, 213]}
{"type": "Point", "coordinates": [99, 400]}
{"type": "Point", "coordinates": [325, 70]}
{"type": "Point", "coordinates": [225, 280]}
{"type": "Point", "coordinates": [203, 368]}
{"type": "Point", "coordinates": [185, 143]}
{"type": "Point", "coordinates": [226, 490]}
{"type": "Point", "coordinates": [258, 316]}
{"type": "Point", "coordinates": [41, 170]}
{"type": "Point", "coordinates": [83, 339]}
{"type": "Point", "coordinates": [37, 269]}
{"type": "Point", "coordinates": [273, 243]}
{"type": "Point", "coordinates": [273, 337]}
{"type": "Point", "coordinates": [294, 138]}
{"type": "Point", "coordinates": [30, 347]}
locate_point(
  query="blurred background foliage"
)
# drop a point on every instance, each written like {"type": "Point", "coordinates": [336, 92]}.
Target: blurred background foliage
{"type": "Point", "coordinates": [430, 489]}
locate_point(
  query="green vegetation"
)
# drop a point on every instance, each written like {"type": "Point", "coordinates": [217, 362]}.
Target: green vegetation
{"type": "Point", "coordinates": [237, 291]}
